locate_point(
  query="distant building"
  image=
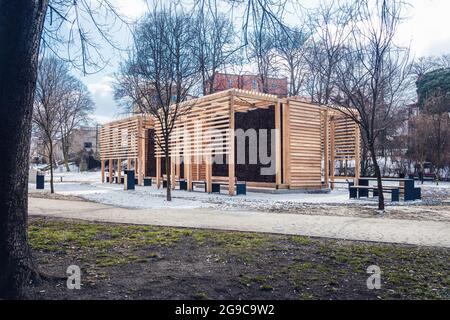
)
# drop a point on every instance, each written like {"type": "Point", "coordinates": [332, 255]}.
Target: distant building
{"type": "Point", "coordinates": [84, 139]}
{"type": "Point", "coordinates": [224, 81]}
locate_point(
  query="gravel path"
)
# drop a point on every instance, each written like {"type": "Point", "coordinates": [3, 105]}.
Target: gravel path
{"type": "Point", "coordinates": [427, 233]}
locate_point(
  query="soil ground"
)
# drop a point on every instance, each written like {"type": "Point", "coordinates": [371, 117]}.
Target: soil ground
{"type": "Point", "coordinates": [144, 262]}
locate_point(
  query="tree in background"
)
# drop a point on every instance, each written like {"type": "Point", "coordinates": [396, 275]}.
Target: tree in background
{"type": "Point", "coordinates": [371, 76]}
{"type": "Point", "coordinates": [291, 49]}
{"type": "Point", "coordinates": [214, 45]}
{"type": "Point", "coordinates": [75, 110]}
{"type": "Point", "coordinates": [160, 72]}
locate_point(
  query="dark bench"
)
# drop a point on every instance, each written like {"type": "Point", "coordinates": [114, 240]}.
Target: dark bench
{"type": "Point", "coordinates": [181, 182]}
{"type": "Point", "coordinates": [241, 187]}
{"type": "Point", "coordinates": [363, 191]}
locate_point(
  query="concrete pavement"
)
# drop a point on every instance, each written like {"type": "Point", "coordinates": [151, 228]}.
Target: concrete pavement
{"type": "Point", "coordinates": [427, 233]}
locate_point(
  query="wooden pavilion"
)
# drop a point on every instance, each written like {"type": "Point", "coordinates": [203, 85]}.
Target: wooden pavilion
{"type": "Point", "coordinates": [309, 140]}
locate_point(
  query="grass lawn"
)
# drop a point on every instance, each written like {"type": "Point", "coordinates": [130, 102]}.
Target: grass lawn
{"type": "Point", "coordinates": [146, 262]}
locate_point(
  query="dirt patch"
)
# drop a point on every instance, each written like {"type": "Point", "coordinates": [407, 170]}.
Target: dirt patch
{"type": "Point", "coordinates": [145, 262]}
{"type": "Point", "coordinates": [54, 196]}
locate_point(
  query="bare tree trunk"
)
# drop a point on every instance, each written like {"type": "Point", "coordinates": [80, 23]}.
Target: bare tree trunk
{"type": "Point", "coordinates": [21, 24]}
{"type": "Point", "coordinates": [50, 159]}
{"type": "Point", "coordinates": [378, 175]}
{"type": "Point", "coordinates": [168, 175]}
{"type": "Point", "coordinates": [66, 160]}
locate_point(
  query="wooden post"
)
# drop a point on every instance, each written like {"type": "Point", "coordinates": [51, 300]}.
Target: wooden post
{"type": "Point", "coordinates": [172, 172]}
{"type": "Point", "coordinates": [332, 152]}
{"type": "Point", "coordinates": [357, 153]}
{"type": "Point", "coordinates": [158, 171]}
{"type": "Point", "coordinates": [119, 171]}
{"type": "Point", "coordinates": [138, 166]}
{"type": "Point", "coordinates": [143, 151]}
{"type": "Point", "coordinates": [277, 144]}
{"type": "Point", "coordinates": [231, 153]}
{"type": "Point", "coordinates": [188, 171]}
{"type": "Point", "coordinates": [208, 171]}
{"type": "Point", "coordinates": [128, 164]}
{"type": "Point", "coordinates": [110, 166]}
{"type": "Point", "coordinates": [286, 145]}
{"type": "Point", "coordinates": [325, 151]}
{"type": "Point", "coordinates": [103, 170]}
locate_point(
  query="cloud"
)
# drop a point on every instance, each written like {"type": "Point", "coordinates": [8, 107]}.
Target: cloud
{"type": "Point", "coordinates": [102, 88]}
{"type": "Point", "coordinates": [131, 9]}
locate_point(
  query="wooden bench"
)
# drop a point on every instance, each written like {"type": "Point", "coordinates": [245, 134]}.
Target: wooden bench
{"type": "Point", "coordinates": [241, 187]}
{"type": "Point", "coordinates": [181, 182]}
{"type": "Point", "coordinates": [363, 191]}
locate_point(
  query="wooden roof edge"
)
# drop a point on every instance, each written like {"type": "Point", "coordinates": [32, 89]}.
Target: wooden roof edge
{"type": "Point", "coordinates": [128, 118]}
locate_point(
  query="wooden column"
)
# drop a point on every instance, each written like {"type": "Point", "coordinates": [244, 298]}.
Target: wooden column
{"type": "Point", "coordinates": [357, 153]}
{"type": "Point", "coordinates": [332, 152]}
{"type": "Point", "coordinates": [188, 171]}
{"type": "Point", "coordinates": [286, 145]}
{"type": "Point", "coordinates": [138, 171]}
{"type": "Point", "coordinates": [119, 170]}
{"type": "Point", "coordinates": [110, 166]}
{"type": "Point", "coordinates": [128, 164]}
{"type": "Point", "coordinates": [325, 151]}
{"type": "Point", "coordinates": [103, 170]}
{"type": "Point", "coordinates": [231, 153]}
{"type": "Point", "coordinates": [143, 151]}
{"type": "Point", "coordinates": [172, 172]}
{"type": "Point", "coordinates": [278, 173]}
{"type": "Point", "coordinates": [158, 171]}
{"type": "Point", "coordinates": [208, 171]}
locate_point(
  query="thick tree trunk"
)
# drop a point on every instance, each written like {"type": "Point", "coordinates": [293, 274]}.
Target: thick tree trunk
{"type": "Point", "coordinates": [378, 176]}
{"type": "Point", "coordinates": [21, 25]}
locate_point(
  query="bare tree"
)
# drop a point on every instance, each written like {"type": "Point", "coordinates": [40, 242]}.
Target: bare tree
{"type": "Point", "coordinates": [214, 45]}
{"type": "Point", "coordinates": [262, 52]}
{"type": "Point", "coordinates": [372, 75]}
{"type": "Point", "coordinates": [159, 74]}
{"type": "Point", "coordinates": [22, 25]}
{"type": "Point", "coordinates": [52, 75]}
{"type": "Point", "coordinates": [290, 46]}
{"type": "Point", "coordinates": [75, 109]}
{"type": "Point", "coordinates": [331, 26]}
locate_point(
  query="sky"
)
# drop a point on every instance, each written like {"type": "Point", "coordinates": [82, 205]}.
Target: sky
{"type": "Point", "coordinates": [426, 31]}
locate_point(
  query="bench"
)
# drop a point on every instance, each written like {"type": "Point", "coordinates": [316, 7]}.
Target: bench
{"type": "Point", "coordinates": [363, 191]}
{"type": "Point", "coordinates": [241, 187]}
{"type": "Point", "coordinates": [198, 182]}
{"type": "Point", "coordinates": [181, 182]}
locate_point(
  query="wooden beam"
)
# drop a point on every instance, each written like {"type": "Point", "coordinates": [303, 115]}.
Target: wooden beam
{"type": "Point", "coordinates": [158, 172]}
{"type": "Point", "coordinates": [357, 152]}
{"type": "Point", "coordinates": [286, 145]}
{"type": "Point", "coordinates": [188, 172]}
{"type": "Point", "coordinates": [231, 166]}
{"type": "Point", "coordinates": [119, 170]}
{"type": "Point", "coordinates": [103, 170]}
{"type": "Point", "coordinates": [332, 152]}
{"type": "Point", "coordinates": [278, 173]}
{"type": "Point", "coordinates": [325, 151]}
{"type": "Point", "coordinates": [172, 173]}
{"type": "Point", "coordinates": [208, 172]}
{"type": "Point", "coordinates": [110, 167]}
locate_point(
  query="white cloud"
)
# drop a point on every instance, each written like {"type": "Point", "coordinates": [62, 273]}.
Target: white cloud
{"type": "Point", "coordinates": [428, 27]}
{"type": "Point", "coordinates": [132, 9]}
{"type": "Point", "coordinates": [102, 88]}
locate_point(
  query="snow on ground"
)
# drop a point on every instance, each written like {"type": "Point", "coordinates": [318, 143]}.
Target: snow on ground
{"type": "Point", "coordinates": [86, 185]}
